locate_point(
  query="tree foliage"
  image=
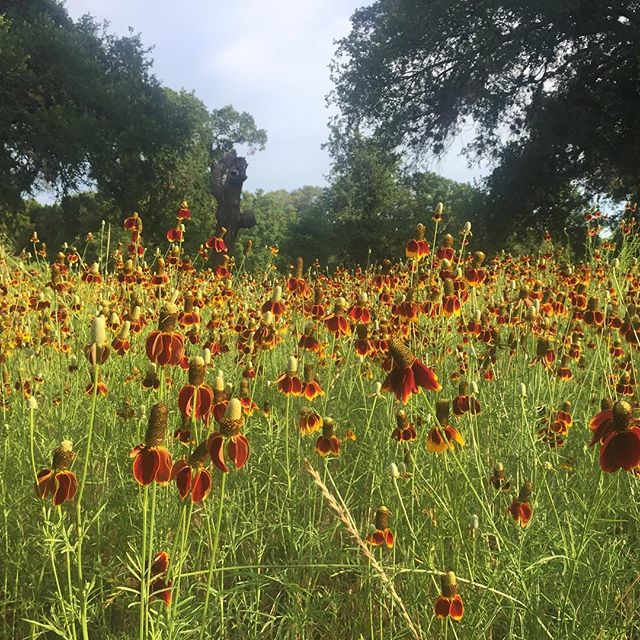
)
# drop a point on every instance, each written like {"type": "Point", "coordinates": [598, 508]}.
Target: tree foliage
{"type": "Point", "coordinates": [552, 86]}
{"type": "Point", "coordinates": [81, 109]}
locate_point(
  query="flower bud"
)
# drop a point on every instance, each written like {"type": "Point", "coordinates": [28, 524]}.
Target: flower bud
{"type": "Point", "coordinates": [523, 390]}
{"type": "Point", "coordinates": [32, 403]}
{"type": "Point", "coordinates": [394, 472]}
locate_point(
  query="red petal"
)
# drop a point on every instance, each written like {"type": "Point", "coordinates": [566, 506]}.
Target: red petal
{"type": "Point", "coordinates": [216, 451]}
{"type": "Point", "coordinates": [238, 450]}
{"type": "Point", "coordinates": [621, 450]}
{"type": "Point", "coordinates": [183, 478]}
{"type": "Point", "coordinates": [456, 609]}
{"type": "Point", "coordinates": [163, 474]}
{"type": "Point", "coordinates": [442, 607]}
{"type": "Point", "coordinates": [425, 377]}
{"type": "Point", "coordinates": [145, 466]}
{"type": "Point", "coordinates": [201, 486]}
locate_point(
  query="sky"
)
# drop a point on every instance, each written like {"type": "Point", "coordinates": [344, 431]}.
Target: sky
{"type": "Point", "coordinates": [268, 57]}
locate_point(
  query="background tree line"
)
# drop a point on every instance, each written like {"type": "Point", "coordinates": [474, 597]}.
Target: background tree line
{"type": "Point", "coordinates": [549, 87]}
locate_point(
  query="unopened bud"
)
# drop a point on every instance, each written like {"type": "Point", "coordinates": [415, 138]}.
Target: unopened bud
{"type": "Point", "coordinates": [523, 390]}
{"type": "Point", "coordinates": [394, 472]}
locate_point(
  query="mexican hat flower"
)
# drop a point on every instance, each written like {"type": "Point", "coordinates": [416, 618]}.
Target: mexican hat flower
{"type": "Point", "coordinates": [444, 436]}
{"type": "Point", "coordinates": [165, 345]}
{"type": "Point", "coordinates": [449, 603]}
{"type": "Point", "coordinates": [380, 533]}
{"type": "Point", "coordinates": [229, 442]}
{"type": "Point", "coordinates": [328, 443]}
{"type": "Point", "coordinates": [404, 431]}
{"type": "Point", "coordinates": [195, 399]}
{"type": "Point", "coordinates": [191, 476]}
{"type": "Point", "coordinates": [58, 482]}
{"type": "Point", "coordinates": [417, 248]}
{"type": "Point", "coordinates": [618, 433]}
{"type": "Point", "coordinates": [160, 587]}
{"type": "Point", "coordinates": [408, 374]}
{"type": "Point", "coordinates": [152, 460]}
{"type": "Point", "coordinates": [520, 509]}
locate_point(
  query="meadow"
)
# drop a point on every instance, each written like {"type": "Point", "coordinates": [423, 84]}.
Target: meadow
{"type": "Point", "coordinates": [439, 446]}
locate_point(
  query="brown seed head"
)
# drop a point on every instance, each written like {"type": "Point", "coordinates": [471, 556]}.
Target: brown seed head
{"type": "Point", "coordinates": [309, 373]}
{"type": "Point", "coordinates": [402, 419]}
{"type": "Point", "coordinates": [381, 520]}
{"type": "Point", "coordinates": [299, 267]}
{"type": "Point", "coordinates": [168, 317]}
{"type": "Point", "coordinates": [63, 456]}
{"type": "Point", "coordinates": [402, 356]}
{"type": "Point", "coordinates": [442, 412]}
{"type": "Point", "coordinates": [328, 425]}
{"type": "Point", "coordinates": [196, 371]}
{"type": "Point", "coordinates": [478, 259]}
{"type": "Point", "coordinates": [622, 415]}
{"type": "Point", "coordinates": [157, 426]}
{"type": "Point", "coordinates": [525, 491]}
{"type": "Point", "coordinates": [199, 455]}
{"type": "Point", "coordinates": [449, 584]}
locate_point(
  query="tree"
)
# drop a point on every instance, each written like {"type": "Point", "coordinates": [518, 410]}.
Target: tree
{"type": "Point", "coordinates": [560, 79]}
{"type": "Point", "coordinates": [80, 109]}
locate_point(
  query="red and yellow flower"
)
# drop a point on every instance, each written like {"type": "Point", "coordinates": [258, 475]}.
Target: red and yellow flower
{"type": "Point", "coordinates": [449, 603]}
{"type": "Point", "coordinates": [152, 460]}
{"type": "Point", "coordinates": [229, 441]}
{"type": "Point", "coordinates": [380, 533]}
{"type": "Point", "coordinates": [58, 482]}
{"type": "Point", "coordinates": [408, 374]}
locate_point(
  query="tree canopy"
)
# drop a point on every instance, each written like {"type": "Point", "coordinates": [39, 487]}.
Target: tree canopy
{"type": "Point", "coordinates": [80, 108]}
{"type": "Point", "coordinates": [552, 87]}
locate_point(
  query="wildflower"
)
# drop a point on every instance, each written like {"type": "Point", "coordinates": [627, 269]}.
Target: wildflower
{"type": "Point", "coordinates": [309, 421]}
{"type": "Point", "coordinates": [499, 478]}
{"type": "Point", "coordinates": [159, 587]}
{"type": "Point", "coordinates": [58, 482]}
{"type": "Point", "coordinates": [464, 402]}
{"type": "Point", "coordinates": [407, 373]}
{"type": "Point", "coordinates": [288, 383]}
{"type": "Point", "coordinates": [296, 283]}
{"type": "Point", "coordinates": [449, 603]}
{"type": "Point", "coordinates": [183, 212]}
{"type": "Point", "coordinates": [121, 343]}
{"type": "Point", "coordinates": [275, 305]}
{"type": "Point", "coordinates": [195, 399]}
{"type": "Point", "coordinates": [229, 441]}
{"type": "Point", "coordinates": [311, 387]}
{"type": "Point", "coordinates": [336, 322]}
{"type": "Point", "coordinates": [359, 312]}
{"type": "Point", "coordinates": [418, 247]}
{"type": "Point", "coordinates": [520, 509]}
{"type": "Point", "coordinates": [248, 405]}
{"type": "Point", "coordinates": [98, 351]}
{"type": "Point", "coordinates": [381, 534]}
{"type": "Point", "coordinates": [190, 475]}
{"type": "Point", "coordinates": [165, 345]}
{"type": "Point", "coordinates": [404, 431]}
{"type": "Point", "coordinates": [152, 460]}
{"type": "Point", "coordinates": [443, 437]}
{"type": "Point", "coordinates": [328, 443]}
{"type": "Point", "coordinates": [216, 241]}
{"type": "Point", "coordinates": [618, 433]}
{"type": "Point", "coordinates": [308, 341]}
{"type": "Point", "coordinates": [363, 345]}
{"type": "Point", "coordinates": [476, 275]}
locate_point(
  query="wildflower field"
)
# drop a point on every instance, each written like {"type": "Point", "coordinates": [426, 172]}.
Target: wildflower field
{"type": "Point", "coordinates": [440, 446]}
